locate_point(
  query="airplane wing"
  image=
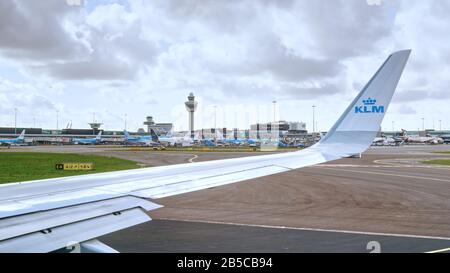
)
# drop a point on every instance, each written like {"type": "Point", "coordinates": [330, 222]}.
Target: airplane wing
{"type": "Point", "coordinates": [46, 215]}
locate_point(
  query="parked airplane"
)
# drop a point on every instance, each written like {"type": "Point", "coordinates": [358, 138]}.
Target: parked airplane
{"type": "Point", "coordinates": [14, 141]}
{"type": "Point", "coordinates": [151, 140]}
{"type": "Point", "coordinates": [421, 139]}
{"type": "Point", "coordinates": [282, 144]}
{"type": "Point", "coordinates": [50, 214]}
{"type": "Point", "coordinates": [234, 141]}
{"type": "Point", "coordinates": [426, 140]}
{"type": "Point", "coordinates": [94, 140]}
{"type": "Point", "coordinates": [218, 137]}
{"type": "Point", "coordinates": [275, 141]}
{"type": "Point", "coordinates": [185, 140]}
{"type": "Point", "coordinates": [208, 142]}
{"type": "Point", "coordinates": [386, 141]}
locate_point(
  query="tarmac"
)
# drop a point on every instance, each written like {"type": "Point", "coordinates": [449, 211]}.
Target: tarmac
{"type": "Point", "coordinates": [388, 200]}
{"type": "Point", "coordinates": [388, 196]}
{"type": "Point", "coordinates": [174, 236]}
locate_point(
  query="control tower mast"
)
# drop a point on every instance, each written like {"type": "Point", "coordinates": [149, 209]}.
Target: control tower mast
{"type": "Point", "coordinates": [191, 106]}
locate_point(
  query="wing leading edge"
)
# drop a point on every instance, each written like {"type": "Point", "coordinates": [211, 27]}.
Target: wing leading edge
{"type": "Point", "coordinates": [45, 215]}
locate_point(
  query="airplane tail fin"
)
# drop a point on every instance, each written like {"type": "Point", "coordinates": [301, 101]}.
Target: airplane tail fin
{"type": "Point", "coordinates": [155, 137]}
{"type": "Point", "coordinates": [126, 134]}
{"type": "Point", "coordinates": [21, 136]}
{"type": "Point", "coordinates": [357, 127]}
{"type": "Point", "coordinates": [99, 136]}
{"type": "Point", "coordinates": [219, 135]}
{"type": "Point", "coordinates": [187, 136]}
{"type": "Point", "coordinates": [197, 136]}
{"type": "Point", "coordinates": [170, 133]}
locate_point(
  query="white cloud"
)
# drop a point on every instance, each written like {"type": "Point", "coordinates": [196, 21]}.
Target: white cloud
{"type": "Point", "coordinates": [143, 57]}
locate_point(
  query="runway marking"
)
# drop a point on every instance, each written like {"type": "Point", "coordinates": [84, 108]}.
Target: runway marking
{"type": "Point", "coordinates": [312, 229]}
{"type": "Point", "coordinates": [191, 160]}
{"type": "Point", "coordinates": [416, 162]}
{"type": "Point", "coordinates": [446, 168]}
{"type": "Point", "coordinates": [383, 161]}
{"type": "Point", "coordinates": [391, 163]}
{"type": "Point", "coordinates": [359, 166]}
{"type": "Point", "coordinates": [391, 174]}
{"type": "Point", "coordinates": [439, 250]}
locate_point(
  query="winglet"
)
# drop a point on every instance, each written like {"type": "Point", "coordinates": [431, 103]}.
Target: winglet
{"type": "Point", "coordinates": [357, 127]}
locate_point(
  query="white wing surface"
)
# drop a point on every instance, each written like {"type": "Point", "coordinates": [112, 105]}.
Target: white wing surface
{"type": "Point", "coordinates": [46, 215]}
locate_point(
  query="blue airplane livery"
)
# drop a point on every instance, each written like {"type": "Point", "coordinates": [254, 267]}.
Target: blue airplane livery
{"type": "Point", "coordinates": [235, 141]}
{"type": "Point", "coordinates": [369, 107]}
{"type": "Point", "coordinates": [14, 141]}
{"type": "Point", "coordinates": [142, 140]}
{"type": "Point", "coordinates": [87, 141]}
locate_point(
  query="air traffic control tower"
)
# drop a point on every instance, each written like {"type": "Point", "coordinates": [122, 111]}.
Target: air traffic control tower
{"type": "Point", "coordinates": [191, 106]}
{"type": "Point", "coordinates": [95, 126]}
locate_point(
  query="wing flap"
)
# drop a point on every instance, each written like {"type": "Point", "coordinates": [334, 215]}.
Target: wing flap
{"type": "Point", "coordinates": [74, 233]}
{"type": "Point", "coordinates": [29, 223]}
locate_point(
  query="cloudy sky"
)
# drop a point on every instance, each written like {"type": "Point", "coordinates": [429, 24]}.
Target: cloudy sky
{"type": "Point", "coordinates": [139, 58]}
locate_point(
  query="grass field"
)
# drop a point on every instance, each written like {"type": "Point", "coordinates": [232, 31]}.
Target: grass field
{"type": "Point", "coordinates": [17, 166]}
{"type": "Point", "coordinates": [438, 161]}
{"type": "Point", "coordinates": [442, 152]}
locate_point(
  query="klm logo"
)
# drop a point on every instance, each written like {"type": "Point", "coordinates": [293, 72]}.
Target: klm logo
{"type": "Point", "coordinates": [369, 107]}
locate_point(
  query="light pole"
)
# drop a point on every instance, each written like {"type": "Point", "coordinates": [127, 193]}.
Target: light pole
{"type": "Point", "coordinates": [423, 124]}
{"type": "Point", "coordinates": [215, 117]}
{"type": "Point", "coordinates": [57, 120]}
{"type": "Point", "coordinates": [440, 125]}
{"type": "Point", "coordinates": [314, 118]}
{"type": "Point", "coordinates": [393, 127]}
{"type": "Point", "coordinates": [125, 121]}
{"type": "Point", "coordinates": [15, 121]}
{"type": "Point", "coordinates": [274, 109]}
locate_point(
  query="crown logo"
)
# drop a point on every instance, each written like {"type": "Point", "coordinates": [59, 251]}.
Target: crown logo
{"type": "Point", "coordinates": [369, 101]}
